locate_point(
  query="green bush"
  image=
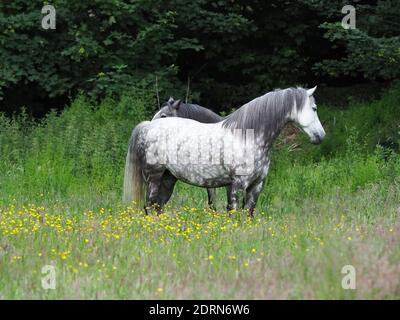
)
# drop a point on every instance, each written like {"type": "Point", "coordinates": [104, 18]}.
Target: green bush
{"type": "Point", "coordinates": [80, 148]}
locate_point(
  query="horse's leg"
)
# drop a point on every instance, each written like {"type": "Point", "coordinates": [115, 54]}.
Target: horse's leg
{"type": "Point", "coordinates": [232, 195]}
{"type": "Point", "coordinates": [211, 198]}
{"type": "Point", "coordinates": [229, 198]}
{"type": "Point", "coordinates": [167, 187]}
{"type": "Point", "coordinates": [252, 194]}
{"type": "Point", "coordinates": [154, 186]}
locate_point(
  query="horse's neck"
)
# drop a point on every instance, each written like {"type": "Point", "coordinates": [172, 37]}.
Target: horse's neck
{"type": "Point", "coordinates": [269, 135]}
{"type": "Point", "coordinates": [206, 115]}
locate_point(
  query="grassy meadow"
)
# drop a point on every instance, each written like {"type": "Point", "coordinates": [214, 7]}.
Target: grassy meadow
{"type": "Point", "coordinates": [323, 207]}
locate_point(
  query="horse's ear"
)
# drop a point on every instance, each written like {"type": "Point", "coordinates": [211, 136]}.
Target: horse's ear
{"type": "Point", "coordinates": [170, 100]}
{"type": "Point", "coordinates": [310, 92]}
{"type": "Point", "coordinates": [176, 105]}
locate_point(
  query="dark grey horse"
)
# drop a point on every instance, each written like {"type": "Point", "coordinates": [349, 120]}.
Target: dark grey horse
{"type": "Point", "coordinates": [232, 153]}
{"type": "Point", "coordinates": [176, 108]}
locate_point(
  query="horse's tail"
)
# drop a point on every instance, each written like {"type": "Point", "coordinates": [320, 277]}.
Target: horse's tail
{"type": "Point", "coordinates": [134, 183]}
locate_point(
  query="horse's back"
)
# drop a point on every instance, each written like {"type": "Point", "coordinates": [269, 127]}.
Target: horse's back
{"type": "Point", "coordinates": [177, 121]}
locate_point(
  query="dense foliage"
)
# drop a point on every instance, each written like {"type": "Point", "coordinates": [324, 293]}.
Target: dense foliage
{"type": "Point", "coordinates": [230, 50]}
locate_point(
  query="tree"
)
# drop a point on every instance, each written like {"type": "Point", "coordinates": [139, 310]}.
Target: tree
{"type": "Point", "coordinates": [371, 50]}
{"type": "Point", "coordinates": [231, 50]}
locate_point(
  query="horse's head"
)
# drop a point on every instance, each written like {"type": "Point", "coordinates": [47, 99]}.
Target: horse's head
{"type": "Point", "coordinates": [307, 118]}
{"type": "Point", "coordinates": [169, 109]}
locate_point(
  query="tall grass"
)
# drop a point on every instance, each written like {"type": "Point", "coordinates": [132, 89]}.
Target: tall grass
{"type": "Point", "coordinates": [79, 154]}
{"type": "Point", "coordinates": [322, 207]}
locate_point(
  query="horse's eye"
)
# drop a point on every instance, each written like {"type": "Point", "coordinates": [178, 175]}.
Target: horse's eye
{"type": "Point", "coordinates": [163, 116]}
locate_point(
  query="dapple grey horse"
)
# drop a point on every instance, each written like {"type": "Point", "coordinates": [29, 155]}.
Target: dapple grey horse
{"type": "Point", "coordinates": [176, 108]}
{"type": "Point", "coordinates": [234, 152]}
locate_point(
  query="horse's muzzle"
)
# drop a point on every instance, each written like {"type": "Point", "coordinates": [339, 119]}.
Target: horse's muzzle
{"type": "Point", "coordinates": [317, 139]}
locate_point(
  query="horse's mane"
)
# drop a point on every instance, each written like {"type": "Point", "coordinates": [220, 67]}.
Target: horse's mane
{"type": "Point", "coordinates": [267, 112]}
